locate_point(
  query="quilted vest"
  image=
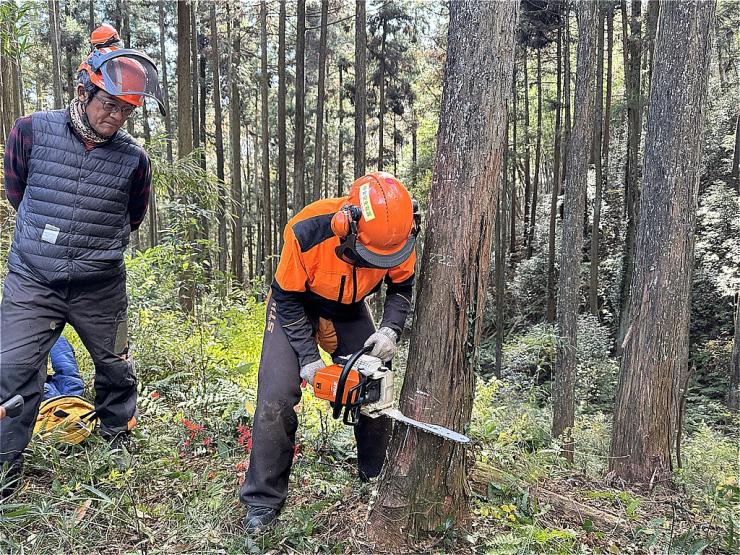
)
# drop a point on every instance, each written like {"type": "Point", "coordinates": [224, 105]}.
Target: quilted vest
{"type": "Point", "coordinates": [73, 222]}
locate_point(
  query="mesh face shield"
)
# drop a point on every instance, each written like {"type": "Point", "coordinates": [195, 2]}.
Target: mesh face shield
{"type": "Point", "coordinates": [128, 72]}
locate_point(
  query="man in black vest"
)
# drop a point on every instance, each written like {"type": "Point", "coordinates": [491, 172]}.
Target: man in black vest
{"type": "Point", "coordinates": [80, 185]}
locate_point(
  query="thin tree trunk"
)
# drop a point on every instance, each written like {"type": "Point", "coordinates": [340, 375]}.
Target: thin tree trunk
{"type": "Point", "coordinates": [733, 397]}
{"type": "Point", "coordinates": [165, 86]}
{"type": "Point", "coordinates": [735, 173]}
{"type": "Point", "coordinates": [527, 154]}
{"type": "Point", "coordinates": [56, 67]}
{"type": "Point", "coordinates": [608, 101]}
{"type": "Point", "coordinates": [655, 359]}
{"type": "Point", "coordinates": [556, 183]}
{"type": "Point", "coordinates": [513, 118]}
{"type": "Point", "coordinates": [593, 290]}
{"type": "Point", "coordinates": [563, 389]}
{"type": "Point", "coordinates": [340, 139]}
{"type": "Point", "coordinates": [500, 263]}
{"type": "Point", "coordinates": [381, 101]}
{"type": "Point", "coordinates": [631, 187]}
{"type": "Point", "coordinates": [235, 136]}
{"type": "Point", "coordinates": [267, 203]}
{"type": "Point", "coordinates": [223, 243]}
{"type": "Point", "coordinates": [320, 95]}
{"type": "Point", "coordinates": [282, 136]}
{"type": "Point", "coordinates": [566, 96]}
{"type": "Point", "coordinates": [299, 160]}
{"type": "Point", "coordinates": [424, 481]}
{"type": "Point", "coordinates": [360, 88]}
{"type": "Point", "coordinates": [126, 36]}
{"type": "Point", "coordinates": [537, 156]}
{"type": "Point", "coordinates": [185, 126]}
{"type": "Point", "coordinates": [91, 16]}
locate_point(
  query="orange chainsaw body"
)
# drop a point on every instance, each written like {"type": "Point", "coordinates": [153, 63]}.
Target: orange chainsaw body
{"type": "Point", "coordinates": [325, 383]}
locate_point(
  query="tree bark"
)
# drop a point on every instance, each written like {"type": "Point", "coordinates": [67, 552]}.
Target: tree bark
{"type": "Point", "coordinates": [606, 135]}
{"type": "Point", "coordinates": [223, 244]}
{"type": "Point", "coordinates": [563, 388]}
{"type": "Point", "coordinates": [267, 203]}
{"type": "Point", "coordinates": [282, 136]}
{"type": "Point", "coordinates": [514, 116]}
{"type": "Point", "coordinates": [340, 138]}
{"type": "Point", "coordinates": [299, 160]}
{"type": "Point", "coordinates": [556, 182]}
{"type": "Point", "coordinates": [537, 156]}
{"type": "Point", "coordinates": [360, 88]}
{"type": "Point", "coordinates": [527, 154]}
{"type": "Point", "coordinates": [424, 480]}
{"type": "Point", "coordinates": [185, 124]}
{"type": "Point", "coordinates": [381, 100]}
{"type": "Point", "coordinates": [631, 185]}
{"type": "Point", "coordinates": [320, 96]}
{"type": "Point", "coordinates": [656, 347]}
{"type": "Point", "coordinates": [733, 397]}
{"type": "Point", "coordinates": [165, 86]}
{"type": "Point", "coordinates": [593, 289]}
{"type": "Point", "coordinates": [235, 137]}
{"type": "Point", "coordinates": [566, 95]}
{"type": "Point", "coordinates": [735, 173]}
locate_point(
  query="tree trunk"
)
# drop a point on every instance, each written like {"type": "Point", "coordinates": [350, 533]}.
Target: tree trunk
{"type": "Point", "coordinates": [360, 88]}
{"type": "Point", "coordinates": [733, 396]}
{"type": "Point", "coordinates": [126, 36]}
{"type": "Point", "coordinates": [165, 86]}
{"type": "Point", "coordinates": [223, 244]}
{"type": "Point", "coordinates": [656, 347]}
{"type": "Point", "coordinates": [320, 95]}
{"type": "Point", "coordinates": [299, 160]}
{"type": "Point", "coordinates": [500, 262]}
{"type": "Point", "coordinates": [556, 183]}
{"type": "Point", "coordinates": [608, 101]}
{"type": "Point", "coordinates": [185, 125]}
{"type": "Point", "coordinates": [537, 157]}
{"type": "Point", "coordinates": [424, 482]}
{"type": "Point", "coordinates": [381, 100]}
{"type": "Point", "coordinates": [735, 174]}
{"type": "Point", "coordinates": [631, 190]}
{"type": "Point", "coordinates": [56, 67]}
{"type": "Point", "coordinates": [235, 137]}
{"type": "Point", "coordinates": [527, 154]}
{"type": "Point", "coordinates": [340, 138]}
{"type": "Point", "coordinates": [91, 16]}
{"type": "Point", "coordinates": [282, 136]}
{"type": "Point", "coordinates": [563, 387]}
{"type": "Point", "coordinates": [566, 96]}
{"type": "Point", "coordinates": [513, 118]}
{"type": "Point", "coordinates": [593, 289]}
{"type": "Point", "coordinates": [267, 203]}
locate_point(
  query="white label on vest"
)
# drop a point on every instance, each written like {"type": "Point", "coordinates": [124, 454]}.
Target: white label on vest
{"type": "Point", "coordinates": [365, 204]}
{"type": "Point", "coordinates": [50, 234]}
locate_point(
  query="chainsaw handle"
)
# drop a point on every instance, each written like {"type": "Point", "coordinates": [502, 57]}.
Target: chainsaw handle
{"type": "Point", "coordinates": [337, 410]}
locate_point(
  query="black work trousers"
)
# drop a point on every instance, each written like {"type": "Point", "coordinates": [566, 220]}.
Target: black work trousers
{"type": "Point", "coordinates": [275, 420]}
{"type": "Point", "coordinates": [32, 316]}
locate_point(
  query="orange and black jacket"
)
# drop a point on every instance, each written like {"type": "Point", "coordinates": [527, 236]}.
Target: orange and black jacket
{"type": "Point", "coordinates": [312, 280]}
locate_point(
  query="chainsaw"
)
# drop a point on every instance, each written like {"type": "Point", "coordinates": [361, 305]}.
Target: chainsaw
{"type": "Point", "coordinates": [363, 385]}
{"type": "Point", "coordinates": [12, 407]}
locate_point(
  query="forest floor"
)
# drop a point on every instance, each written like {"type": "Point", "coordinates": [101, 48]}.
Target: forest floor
{"type": "Point", "coordinates": [177, 493]}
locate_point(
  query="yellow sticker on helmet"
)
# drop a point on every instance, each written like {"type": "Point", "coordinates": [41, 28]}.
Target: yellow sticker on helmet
{"type": "Point", "coordinates": [365, 204]}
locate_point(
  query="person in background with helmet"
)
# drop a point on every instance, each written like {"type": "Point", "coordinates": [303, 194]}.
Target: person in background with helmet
{"type": "Point", "coordinates": [80, 185]}
{"type": "Point", "coordinates": [336, 252]}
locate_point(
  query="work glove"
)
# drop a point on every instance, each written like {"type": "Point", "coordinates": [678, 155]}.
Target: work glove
{"type": "Point", "coordinates": [308, 371]}
{"type": "Point", "coordinates": [383, 343]}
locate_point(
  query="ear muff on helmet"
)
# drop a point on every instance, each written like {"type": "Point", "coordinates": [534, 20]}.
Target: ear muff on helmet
{"type": "Point", "coordinates": [345, 221]}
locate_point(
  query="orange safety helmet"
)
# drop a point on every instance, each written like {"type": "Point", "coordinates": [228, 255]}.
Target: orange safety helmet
{"type": "Point", "coordinates": [378, 224]}
{"type": "Point", "coordinates": [125, 73]}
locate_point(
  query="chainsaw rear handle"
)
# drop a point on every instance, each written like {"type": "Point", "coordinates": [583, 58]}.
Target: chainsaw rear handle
{"type": "Point", "coordinates": [337, 410]}
{"type": "Point", "coordinates": [12, 407]}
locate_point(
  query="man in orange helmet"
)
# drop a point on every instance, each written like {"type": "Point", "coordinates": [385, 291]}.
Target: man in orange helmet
{"type": "Point", "coordinates": [336, 252]}
{"type": "Point", "coordinates": [80, 185]}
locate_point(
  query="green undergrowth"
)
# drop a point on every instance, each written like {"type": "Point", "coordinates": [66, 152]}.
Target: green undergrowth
{"type": "Point", "coordinates": [178, 491]}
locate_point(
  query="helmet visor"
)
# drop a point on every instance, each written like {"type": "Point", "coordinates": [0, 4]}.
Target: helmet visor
{"type": "Point", "coordinates": [129, 72]}
{"type": "Point", "coordinates": [355, 253]}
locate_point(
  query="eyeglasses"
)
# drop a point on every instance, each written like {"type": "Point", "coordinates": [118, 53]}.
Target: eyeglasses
{"type": "Point", "coordinates": [112, 108]}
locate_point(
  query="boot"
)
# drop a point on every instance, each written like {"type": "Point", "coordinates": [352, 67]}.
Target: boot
{"type": "Point", "coordinates": [259, 519]}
